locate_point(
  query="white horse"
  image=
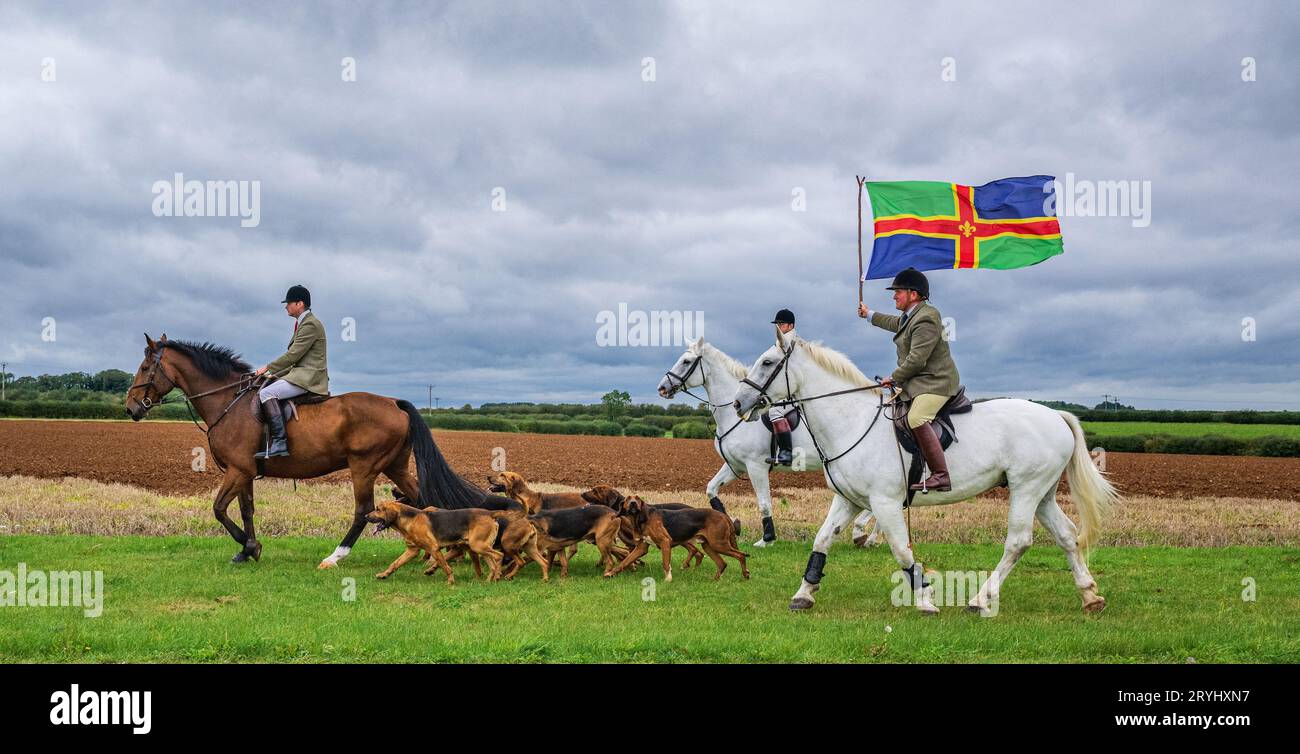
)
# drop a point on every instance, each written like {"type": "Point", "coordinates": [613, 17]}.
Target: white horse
{"type": "Point", "coordinates": [744, 447]}
{"type": "Point", "coordinates": [1006, 441]}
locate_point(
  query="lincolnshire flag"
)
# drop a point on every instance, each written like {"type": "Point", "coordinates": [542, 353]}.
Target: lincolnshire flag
{"type": "Point", "coordinates": [932, 226]}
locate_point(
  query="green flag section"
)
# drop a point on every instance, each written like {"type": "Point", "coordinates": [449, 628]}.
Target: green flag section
{"type": "Point", "coordinates": [931, 225]}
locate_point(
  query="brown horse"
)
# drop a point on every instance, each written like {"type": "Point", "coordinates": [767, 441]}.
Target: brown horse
{"type": "Point", "coordinates": [364, 433]}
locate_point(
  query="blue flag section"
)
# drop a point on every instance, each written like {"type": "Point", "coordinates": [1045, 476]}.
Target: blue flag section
{"type": "Point", "coordinates": [931, 225]}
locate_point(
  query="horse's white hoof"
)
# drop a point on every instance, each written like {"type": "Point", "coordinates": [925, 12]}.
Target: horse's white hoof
{"type": "Point", "coordinates": [801, 603]}
{"type": "Point", "coordinates": [1096, 606]}
{"type": "Point", "coordinates": [764, 543]}
{"type": "Point", "coordinates": [326, 563]}
{"type": "Point", "coordinates": [927, 609]}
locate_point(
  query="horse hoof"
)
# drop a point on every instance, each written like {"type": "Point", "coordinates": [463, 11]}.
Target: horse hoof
{"type": "Point", "coordinates": [239, 557]}
{"type": "Point", "coordinates": [764, 543]}
{"type": "Point", "coordinates": [801, 603]}
{"type": "Point", "coordinates": [326, 563]}
{"type": "Point", "coordinates": [256, 553]}
{"type": "Point", "coordinates": [1095, 606]}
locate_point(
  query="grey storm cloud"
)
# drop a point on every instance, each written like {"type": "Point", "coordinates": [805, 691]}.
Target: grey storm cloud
{"type": "Point", "coordinates": [672, 194]}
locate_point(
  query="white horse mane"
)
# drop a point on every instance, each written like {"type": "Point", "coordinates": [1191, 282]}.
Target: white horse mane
{"type": "Point", "coordinates": [700, 348]}
{"type": "Point", "coordinates": [836, 363]}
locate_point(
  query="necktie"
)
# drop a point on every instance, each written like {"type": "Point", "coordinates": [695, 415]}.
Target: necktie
{"type": "Point", "coordinates": [903, 322]}
{"type": "Point", "coordinates": [295, 325]}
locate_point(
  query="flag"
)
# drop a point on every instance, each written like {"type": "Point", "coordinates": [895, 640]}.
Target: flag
{"type": "Point", "coordinates": [932, 225]}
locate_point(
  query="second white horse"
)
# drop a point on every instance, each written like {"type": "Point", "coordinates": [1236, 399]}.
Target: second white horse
{"type": "Point", "coordinates": [744, 446]}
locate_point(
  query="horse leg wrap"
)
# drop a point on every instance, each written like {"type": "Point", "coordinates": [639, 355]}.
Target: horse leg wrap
{"type": "Point", "coordinates": [716, 504]}
{"type": "Point", "coordinates": [916, 575]}
{"type": "Point", "coordinates": [816, 563]}
{"type": "Point", "coordinates": [769, 532]}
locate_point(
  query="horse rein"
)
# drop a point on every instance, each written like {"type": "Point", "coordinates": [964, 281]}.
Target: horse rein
{"type": "Point", "coordinates": [680, 380]}
{"type": "Point", "coordinates": [795, 401]}
{"type": "Point", "coordinates": [680, 386]}
{"type": "Point", "coordinates": [245, 383]}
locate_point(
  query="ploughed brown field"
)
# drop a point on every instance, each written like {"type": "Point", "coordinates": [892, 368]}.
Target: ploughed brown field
{"type": "Point", "coordinates": [158, 456]}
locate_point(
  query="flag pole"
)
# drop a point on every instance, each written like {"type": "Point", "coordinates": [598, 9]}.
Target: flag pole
{"type": "Point", "coordinates": [861, 180]}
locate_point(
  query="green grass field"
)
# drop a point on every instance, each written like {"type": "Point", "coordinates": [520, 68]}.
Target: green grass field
{"type": "Point", "coordinates": [178, 599]}
{"type": "Point", "coordinates": [1192, 429]}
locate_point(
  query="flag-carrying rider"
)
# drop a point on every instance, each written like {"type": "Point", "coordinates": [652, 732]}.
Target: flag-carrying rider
{"type": "Point", "coordinates": [926, 373]}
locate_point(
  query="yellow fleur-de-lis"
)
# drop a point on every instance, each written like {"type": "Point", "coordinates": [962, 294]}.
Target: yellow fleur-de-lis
{"type": "Point", "coordinates": [966, 229]}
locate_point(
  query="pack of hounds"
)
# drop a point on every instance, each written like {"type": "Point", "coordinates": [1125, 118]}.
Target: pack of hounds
{"type": "Point", "coordinates": [518, 525]}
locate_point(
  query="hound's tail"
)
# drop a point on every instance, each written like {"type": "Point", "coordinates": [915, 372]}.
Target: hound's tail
{"type": "Point", "coordinates": [1092, 493]}
{"type": "Point", "coordinates": [716, 504]}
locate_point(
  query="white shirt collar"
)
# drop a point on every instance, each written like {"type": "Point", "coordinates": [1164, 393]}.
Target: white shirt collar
{"type": "Point", "coordinates": [300, 316]}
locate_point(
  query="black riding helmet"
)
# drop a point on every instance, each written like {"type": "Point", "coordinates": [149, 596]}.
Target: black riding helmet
{"type": "Point", "coordinates": [784, 317]}
{"type": "Point", "coordinates": [298, 293]}
{"type": "Point", "coordinates": [911, 279]}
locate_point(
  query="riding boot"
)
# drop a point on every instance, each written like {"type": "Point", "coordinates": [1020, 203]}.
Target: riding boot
{"type": "Point", "coordinates": [275, 422]}
{"type": "Point", "coordinates": [928, 439]}
{"type": "Point", "coordinates": [784, 444]}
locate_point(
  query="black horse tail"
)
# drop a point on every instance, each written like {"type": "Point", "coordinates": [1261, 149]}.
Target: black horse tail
{"type": "Point", "coordinates": [440, 485]}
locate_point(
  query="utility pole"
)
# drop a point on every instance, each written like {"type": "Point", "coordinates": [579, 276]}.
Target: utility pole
{"type": "Point", "coordinates": [2, 379]}
{"type": "Point", "coordinates": [431, 397]}
{"type": "Point", "coordinates": [437, 402]}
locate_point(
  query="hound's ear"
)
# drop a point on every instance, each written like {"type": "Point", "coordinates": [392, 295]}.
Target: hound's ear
{"type": "Point", "coordinates": [592, 496]}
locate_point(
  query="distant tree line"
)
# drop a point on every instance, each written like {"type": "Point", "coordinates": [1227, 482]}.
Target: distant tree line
{"type": "Point", "coordinates": [108, 386]}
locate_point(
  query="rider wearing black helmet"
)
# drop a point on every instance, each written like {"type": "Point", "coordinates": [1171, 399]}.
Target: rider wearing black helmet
{"type": "Point", "coordinates": [784, 321]}
{"type": "Point", "coordinates": [926, 373]}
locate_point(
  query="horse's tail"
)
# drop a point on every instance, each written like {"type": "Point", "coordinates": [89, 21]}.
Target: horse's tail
{"type": "Point", "coordinates": [440, 485]}
{"type": "Point", "coordinates": [1092, 493]}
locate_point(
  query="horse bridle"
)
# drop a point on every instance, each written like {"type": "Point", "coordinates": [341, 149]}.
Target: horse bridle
{"type": "Point", "coordinates": [764, 398]}
{"type": "Point", "coordinates": [680, 380]}
{"type": "Point", "coordinates": [146, 401]}
{"type": "Point", "coordinates": [148, 384]}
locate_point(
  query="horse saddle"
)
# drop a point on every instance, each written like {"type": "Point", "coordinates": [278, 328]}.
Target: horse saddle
{"type": "Point", "coordinates": [958, 404]}
{"type": "Point", "coordinates": [289, 410]}
{"type": "Point", "coordinates": [289, 406]}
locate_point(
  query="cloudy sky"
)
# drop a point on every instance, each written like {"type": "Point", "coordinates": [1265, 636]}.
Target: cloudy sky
{"type": "Point", "coordinates": [675, 193]}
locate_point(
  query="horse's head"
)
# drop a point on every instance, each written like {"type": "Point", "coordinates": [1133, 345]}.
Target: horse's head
{"type": "Point", "coordinates": [686, 372]}
{"type": "Point", "coordinates": [769, 380]}
{"type": "Point", "coordinates": [151, 381]}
